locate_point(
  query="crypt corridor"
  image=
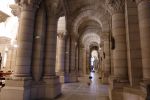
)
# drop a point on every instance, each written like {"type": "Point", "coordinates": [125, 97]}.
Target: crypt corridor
{"type": "Point", "coordinates": [53, 46]}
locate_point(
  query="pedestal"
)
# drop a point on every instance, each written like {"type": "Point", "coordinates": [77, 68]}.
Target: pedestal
{"type": "Point", "coordinates": [70, 78]}
{"type": "Point", "coordinates": [52, 87]}
{"type": "Point", "coordinates": [38, 90]}
{"type": "Point", "coordinates": [116, 88]}
{"type": "Point", "coordinates": [16, 90]}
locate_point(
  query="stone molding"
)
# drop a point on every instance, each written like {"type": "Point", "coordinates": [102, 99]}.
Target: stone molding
{"type": "Point", "coordinates": [105, 36]}
{"type": "Point", "coordinates": [3, 16]}
{"type": "Point", "coordinates": [29, 5]}
{"type": "Point", "coordinates": [115, 6]}
{"type": "Point", "coordinates": [61, 36]}
{"type": "Point", "coordinates": [81, 46]}
{"type": "Point", "coordinates": [15, 10]}
{"type": "Point", "coordinates": [54, 8]}
{"type": "Point", "coordinates": [139, 1]}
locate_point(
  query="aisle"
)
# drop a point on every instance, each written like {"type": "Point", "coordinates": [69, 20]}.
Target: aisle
{"type": "Point", "coordinates": [83, 91]}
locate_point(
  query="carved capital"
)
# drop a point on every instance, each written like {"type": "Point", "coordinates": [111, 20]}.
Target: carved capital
{"type": "Point", "coordinates": [15, 10]}
{"type": "Point", "coordinates": [115, 6]}
{"type": "Point", "coordinates": [102, 44]}
{"type": "Point", "coordinates": [81, 45]}
{"type": "Point", "coordinates": [105, 36]}
{"type": "Point", "coordinates": [3, 16]}
{"type": "Point", "coordinates": [54, 8]}
{"type": "Point", "coordinates": [139, 1]}
{"type": "Point", "coordinates": [61, 36]}
{"type": "Point", "coordinates": [30, 5]}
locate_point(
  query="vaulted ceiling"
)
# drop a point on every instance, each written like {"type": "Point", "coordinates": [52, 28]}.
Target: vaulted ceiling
{"type": "Point", "coordinates": [87, 20]}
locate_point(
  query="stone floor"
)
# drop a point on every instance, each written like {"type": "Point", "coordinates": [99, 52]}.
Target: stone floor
{"type": "Point", "coordinates": [83, 91]}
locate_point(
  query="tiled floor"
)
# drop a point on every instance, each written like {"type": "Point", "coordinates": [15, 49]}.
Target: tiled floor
{"type": "Point", "coordinates": [83, 91]}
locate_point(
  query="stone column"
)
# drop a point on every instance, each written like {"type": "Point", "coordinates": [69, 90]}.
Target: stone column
{"type": "Point", "coordinates": [105, 54]}
{"type": "Point", "coordinates": [87, 61]}
{"type": "Point", "coordinates": [25, 42]}
{"type": "Point", "coordinates": [77, 60]}
{"type": "Point", "coordinates": [19, 87]}
{"type": "Point", "coordinates": [144, 25]}
{"type": "Point", "coordinates": [81, 55]}
{"type": "Point", "coordinates": [133, 43]}
{"type": "Point", "coordinates": [38, 47]}
{"type": "Point", "coordinates": [120, 74]}
{"type": "Point", "coordinates": [71, 76]}
{"type": "Point", "coordinates": [52, 88]}
{"type": "Point", "coordinates": [67, 55]}
{"type": "Point", "coordinates": [38, 85]}
{"type": "Point", "coordinates": [84, 61]}
{"type": "Point", "coordinates": [119, 34]}
{"type": "Point", "coordinates": [60, 56]}
{"type": "Point", "coordinates": [102, 66]}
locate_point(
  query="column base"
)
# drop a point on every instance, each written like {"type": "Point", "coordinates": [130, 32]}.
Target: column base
{"type": "Point", "coordinates": [16, 90]}
{"type": "Point", "coordinates": [70, 78]}
{"type": "Point", "coordinates": [62, 79]}
{"type": "Point", "coordinates": [145, 87]}
{"type": "Point", "coordinates": [133, 92]}
{"type": "Point", "coordinates": [61, 76]}
{"type": "Point", "coordinates": [52, 87]}
{"type": "Point", "coordinates": [116, 88]}
{"type": "Point", "coordinates": [38, 90]}
{"type": "Point", "coordinates": [105, 80]}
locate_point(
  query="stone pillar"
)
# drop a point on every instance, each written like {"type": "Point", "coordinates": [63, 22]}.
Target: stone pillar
{"type": "Point", "coordinates": [19, 87]}
{"type": "Point", "coordinates": [133, 43]}
{"type": "Point", "coordinates": [81, 55]}
{"type": "Point", "coordinates": [60, 56]}
{"type": "Point", "coordinates": [106, 57]}
{"type": "Point", "coordinates": [53, 87]}
{"type": "Point", "coordinates": [102, 66]}
{"type": "Point", "coordinates": [73, 56]}
{"type": "Point", "coordinates": [77, 60]}
{"type": "Point", "coordinates": [71, 74]}
{"type": "Point", "coordinates": [38, 85]}
{"type": "Point", "coordinates": [144, 25]}
{"type": "Point", "coordinates": [38, 47]}
{"type": "Point", "coordinates": [67, 55]}
{"type": "Point", "coordinates": [119, 34]}
{"type": "Point", "coordinates": [87, 61]}
{"type": "Point", "coordinates": [25, 42]}
{"type": "Point", "coordinates": [84, 61]}
{"type": "Point", "coordinates": [120, 74]}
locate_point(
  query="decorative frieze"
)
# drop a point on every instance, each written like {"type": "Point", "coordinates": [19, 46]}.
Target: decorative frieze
{"type": "Point", "coordinates": [3, 16]}
{"type": "Point", "coordinates": [61, 36]}
{"type": "Point", "coordinates": [139, 1]}
{"type": "Point", "coordinates": [115, 6]}
{"type": "Point", "coordinates": [29, 5]}
{"type": "Point", "coordinates": [54, 8]}
{"type": "Point", "coordinates": [15, 10]}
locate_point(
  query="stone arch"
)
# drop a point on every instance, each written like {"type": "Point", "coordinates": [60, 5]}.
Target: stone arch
{"type": "Point", "coordinates": [88, 13]}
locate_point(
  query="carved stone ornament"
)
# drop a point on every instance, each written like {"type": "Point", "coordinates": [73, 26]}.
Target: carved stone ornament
{"type": "Point", "coordinates": [28, 4]}
{"type": "Point", "coordinates": [115, 6]}
{"type": "Point", "coordinates": [61, 35]}
{"type": "Point", "coordinates": [15, 10]}
{"type": "Point", "coordinates": [52, 7]}
{"type": "Point", "coordinates": [139, 1]}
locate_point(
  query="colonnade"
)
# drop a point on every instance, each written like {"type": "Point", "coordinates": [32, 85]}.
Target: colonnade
{"type": "Point", "coordinates": [42, 53]}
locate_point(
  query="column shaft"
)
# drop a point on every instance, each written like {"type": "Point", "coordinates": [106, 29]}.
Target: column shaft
{"type": "Point", "coordinates": [72, 56]}
{"type": "Point", "coordinates": [25, 41]}
{"type": "Point", "coordinates": [120, 51]}
{"type": "Point", "coordinates": [60, 54]}
{"type": "Point", "coordinates": [144, 18]}
{"type": "Point", "coordinates": [38, 46]}
{"type": "Point", "coordinates": [81, 55]}
{"type": "Point", "coordinates": [50, 47]}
